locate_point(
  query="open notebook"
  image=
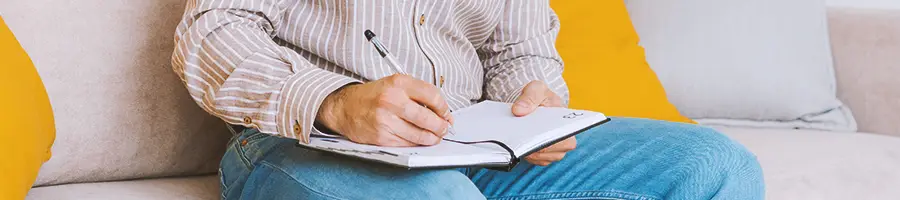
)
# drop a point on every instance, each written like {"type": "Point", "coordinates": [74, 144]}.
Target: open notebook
{"type": "Point", "coordinates": [487, 135]}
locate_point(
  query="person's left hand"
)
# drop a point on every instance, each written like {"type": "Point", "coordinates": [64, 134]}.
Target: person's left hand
{"type": "Point", "coordinates": [534, 95]}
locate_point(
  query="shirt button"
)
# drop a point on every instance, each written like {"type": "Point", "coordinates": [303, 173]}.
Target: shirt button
{"type": "Point", "coordinates": [297, 128]}
{"type": "Point", "coordinates": [422, 19]}
{"type": "Point", "coordinates": [247, 120]}
{"type": "Point", "coordinates": [442, 81]}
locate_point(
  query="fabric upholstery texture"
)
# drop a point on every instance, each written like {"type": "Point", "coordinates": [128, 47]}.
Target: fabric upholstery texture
{"type": "Point", "coordinates": [604, 67]}
{"type": "Point", "coordinates": [25, 106]}
{"type": "Point", "coordinates": [183, 188]}
{"type": "Point", "coordinates": [763, 63]}
{"type": "Point", "coordinates": [120, 111]}
{"type": "Point", "coordinates": [797, 164]}
{"type": "Point", "coordinates": [866, 46]}
{"type": "Point", "coordinates": [809, 164]}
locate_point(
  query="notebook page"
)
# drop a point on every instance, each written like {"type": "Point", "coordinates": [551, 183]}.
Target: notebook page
{"type": "Point", "coordinates": [450, 153]}
{"type": "Point", "coordinates": [490, 120]}
{"type": "Point", "coordinates": [444, 153]}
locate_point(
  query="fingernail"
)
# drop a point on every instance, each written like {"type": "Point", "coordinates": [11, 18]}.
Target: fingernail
{"type": "Point", "coordinates": [524, 104]}
{"type": "Point", "coordinates": [447, 114]}
{"type": "Point", "coordinates": [447, 131]}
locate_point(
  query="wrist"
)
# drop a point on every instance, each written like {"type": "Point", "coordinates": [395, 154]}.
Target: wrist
{"type": "Point", "coordinates": [331, 110]}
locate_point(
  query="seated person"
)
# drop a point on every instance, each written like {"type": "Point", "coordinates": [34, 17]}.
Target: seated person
{"type": "Point", "coordinates": [282, 70]}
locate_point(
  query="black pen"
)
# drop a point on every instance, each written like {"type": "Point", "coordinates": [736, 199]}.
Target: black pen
{"type": "Point", "coordinates": [392, 61]}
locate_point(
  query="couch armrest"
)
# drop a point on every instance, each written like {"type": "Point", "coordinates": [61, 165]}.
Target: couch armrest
{"type": "Point", "coordinates": [866, 47]}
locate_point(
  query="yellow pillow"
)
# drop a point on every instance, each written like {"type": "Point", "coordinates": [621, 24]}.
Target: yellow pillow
{"type": "Point", "coordinates": [27, 119]}
{"type": "Point", "coordinates": [605, 68]}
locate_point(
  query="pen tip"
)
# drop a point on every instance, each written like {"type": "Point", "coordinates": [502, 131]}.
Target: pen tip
{"type": "Point", "coordinates": [369, 34]}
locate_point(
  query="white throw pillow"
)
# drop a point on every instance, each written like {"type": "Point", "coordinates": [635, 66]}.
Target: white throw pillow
{"type": "Point", "coordinates": [759, 63]}
{"type": "Point", "coordinates": [120, 111]}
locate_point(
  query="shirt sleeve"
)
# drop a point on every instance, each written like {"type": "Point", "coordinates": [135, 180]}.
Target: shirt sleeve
{"type": "Point", "coordinates": [522, 49]}
{"type": "Point", "coordinates": [233, 69]}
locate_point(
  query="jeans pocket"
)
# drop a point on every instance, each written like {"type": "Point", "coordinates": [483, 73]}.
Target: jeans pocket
{"type": "Point", "coordinates": [251, 135]}
{"type": "Point", "coordinates": [251, 145]}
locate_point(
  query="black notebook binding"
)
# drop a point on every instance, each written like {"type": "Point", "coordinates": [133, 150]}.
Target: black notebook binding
{"type": "Point", "coordinates": [512, 163]}
{"type": "Point", "coordinates": [512, 154]}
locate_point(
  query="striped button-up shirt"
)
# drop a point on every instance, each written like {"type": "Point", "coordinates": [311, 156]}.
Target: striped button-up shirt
{"type": "Point", "coordinates": [269, 64]}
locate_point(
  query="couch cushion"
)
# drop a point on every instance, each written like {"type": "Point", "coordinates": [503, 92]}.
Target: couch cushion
{"type": "Point", "coordinates": [121, 113]}
{"type": "Point", "coordinates": [200, 187]}
{"type": "Point", "coordinates": [801, 164]}
{"type": "Point", "coordinates": [866, 46]}
{"type": "Point", "coordinates": [759, 63]}
{"type": "Point", "coordinates": [797, 164]}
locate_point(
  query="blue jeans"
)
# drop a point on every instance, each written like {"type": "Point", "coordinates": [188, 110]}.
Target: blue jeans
{"type": "Point", "coordinates": [623, 159]}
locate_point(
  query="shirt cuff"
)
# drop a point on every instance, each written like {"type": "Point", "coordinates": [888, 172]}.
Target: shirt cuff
{"type": "Point", "coordinates": [301, 97]}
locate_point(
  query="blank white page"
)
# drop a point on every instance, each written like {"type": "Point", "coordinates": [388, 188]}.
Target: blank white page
{"type": "Point", "coordinates": [491, 120]}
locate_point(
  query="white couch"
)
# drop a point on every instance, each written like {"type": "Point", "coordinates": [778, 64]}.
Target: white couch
{"type": "Point", "coordinates": [127, 130]}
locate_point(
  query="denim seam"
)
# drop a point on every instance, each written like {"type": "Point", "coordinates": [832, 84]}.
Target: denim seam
{"type": "Point", "coordinates": [222, 183]}
{"type": "Point", "coordinates": [616, 195]}
{"type": "Point", "coordinates": [242, 155]}
{"type": "Point", "coordinates": [266, 163]}
{"type": "Point", "coordinates": [243, 151]}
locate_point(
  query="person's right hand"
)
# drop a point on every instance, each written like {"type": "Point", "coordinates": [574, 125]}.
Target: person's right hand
{"type": "Point", "coordinates": [387, 112]}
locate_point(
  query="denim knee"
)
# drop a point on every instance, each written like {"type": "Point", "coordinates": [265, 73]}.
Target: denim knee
{"type": "Point", "coordinates": [272, 181]}
{"type": "Point", "coordinates": [443, 184]}
{"type": "Point", "coordinates": [709, 143]}
{"type": "Point", "coordinates": [693, 142]}
{"type": "Point", "coordinates": [717, 158]}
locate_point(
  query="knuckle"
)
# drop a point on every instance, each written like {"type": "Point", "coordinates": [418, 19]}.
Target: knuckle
{"type": "Point", "coordinates": [407, 110]}
{"type": "Point", "coordinates": [570, 146]}
{"type": "Point", "coordinates": [433, 139]}
{"type": "Point", "coordinates": [421, 116]}
{"type": "Point", "coordinates": [382, 99]}
{"type": "Point", "coordinates": [426, 137]}
{"type": "Point", "coordinates": [559, 157]}
{"type": "Point", "coordinates": [398, 79]}
{"type": "Point", "coordinates": [382, 116]}
{"type": "Point", "coordinates": [435, 96]}
{"type": "Point", "coordinates": [431, 88]}
{"type": "Point", "coordinates": [415, 138]}
{"type": "Point", "coordinates": [438, 100]}
{"type": "Point", "coordinates": [393, 77]}
{"type": "Point", "coordinates": [385, 140]}
{"type": "Point", "coordinates": [434, 127]}
{"type": "Point", "coordinates": [386, 98]}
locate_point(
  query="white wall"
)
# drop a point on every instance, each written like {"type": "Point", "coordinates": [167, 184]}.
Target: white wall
{"type": "Point", "coordinates": [882, 4]}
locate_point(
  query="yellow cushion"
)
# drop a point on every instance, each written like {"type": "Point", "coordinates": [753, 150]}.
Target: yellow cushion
{"type": "Point", "coordinates": [27, 119]}
{"type": "Point", "coordinates": [605, 68]}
